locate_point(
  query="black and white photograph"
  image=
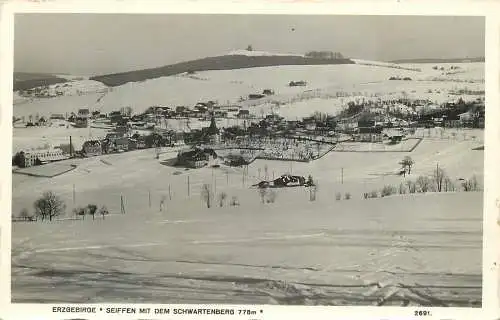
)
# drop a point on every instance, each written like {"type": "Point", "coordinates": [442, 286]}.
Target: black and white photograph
{"type": "Point", "coordinates": [248, 159]}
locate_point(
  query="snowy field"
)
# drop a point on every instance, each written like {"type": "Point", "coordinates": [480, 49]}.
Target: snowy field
{"type": "Point", "coordinates": [412, 249]}
{"type": "Point", "coordinates": [293, 251]}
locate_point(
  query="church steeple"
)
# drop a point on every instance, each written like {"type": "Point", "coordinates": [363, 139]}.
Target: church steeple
{"type": "Point", "coordinates": [212, 129]}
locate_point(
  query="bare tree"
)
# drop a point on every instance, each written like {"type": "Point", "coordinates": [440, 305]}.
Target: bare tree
{"type": "Point", "coordinates": [439, 177]}
{"type": "Point", "coordinates": [263, 193]}
{"type": "Point", "coordinates": [313, 189]}
{"type": "Point", "coordinates": [412, 186]}
{"type": "Point", "coordinates": [407, 163]}
{"type": "Point", "coordinates": [471, 184]}
{"type": "Point", "coordinates": [104, 211]}
{"type": "Point", "coordinates": [402, 189]}
{"type": "Point", "coordinates": [271, 196]}
{"type": "Point", "coordinates": [206, 194]}
{"type": "Point", "coordinates": [79, 211]}
{"type": "Point", "coordinates": [49, 206]}
{"type": "Point", "coordinates": [423, 183]}
{"type": "Point", "coordinates": [92, 209]}
{"type": "Point", "coordinates": [448, 185]}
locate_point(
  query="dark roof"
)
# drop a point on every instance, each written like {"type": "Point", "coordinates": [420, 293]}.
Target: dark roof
{"type": "Point", "coordinates": [92, 142]}
{"type": "Point", "coordinates": [121, 141]}
{"type": "Point", "coordinates": [370, 130]}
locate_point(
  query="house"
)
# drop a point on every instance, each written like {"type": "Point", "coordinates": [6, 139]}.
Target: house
{"type": "Point", "coordinates": [121, 144]}
{"type": "Point", "coordinates": [36, 157]}
{"type": "Point", "coordinates": [300, 83]}
{"type": "Point", "coordinates": [81, 122]}
{"type": "Point", "coordinates": [243, 114]}
{"type": "Point", "coordinates": [57, 116]}
{"type": "Point", "coordinates": [115, 117]}
{"type": "Point", "coordinates": [91, 148]}
{"type": "Point", "coordinates": [137, 143]}
{"type": "Point", "coordinates": [256, 96]}
{"type": "Point", "coordinates": [121, 130]}
{"type": "Point", "coordinates": [368, 134]}
{"type": "Point", "coordinates": [196, 158]}
{"type": "Point", "coordinates": [452, 121]}
{"type": "Point", "coordinates": [84, 112]}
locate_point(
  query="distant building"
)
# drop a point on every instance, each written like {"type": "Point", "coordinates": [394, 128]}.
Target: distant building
{"type": "Point", "coordinates": [30, 158]}
{"type": "Point", "coordinates": [137, 143]}
{"type": "Point", "coordinates": [81, 122]}
{"type": "Point", "coordinates": [452, 121]}
{"type": "Point", "coordinates": [196, 158]}
{"type": "Point", "coordinates": [256, 96]}
{"type": "Point", "coordinates": [243, 113]}
{"type": "Point", "coordinates": [300, 83]}
{"type": "Point", "coordinates": [369, 134]}
{"type": "Point", "coordinates": [121, 144]}
{"type": "Point", "coordinates": [92, 148]}
{"type": "Point", "coordinates": [57, 116]}
{"type": "Point", "coordinates": [84, 112]}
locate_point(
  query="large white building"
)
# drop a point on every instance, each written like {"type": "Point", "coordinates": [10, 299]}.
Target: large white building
{"type": "Point", "coordinates": [30, 158]}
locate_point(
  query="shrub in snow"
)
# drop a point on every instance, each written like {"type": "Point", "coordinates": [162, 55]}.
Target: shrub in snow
{"type": "Point", "coordinates": [347, 196]}
{"type": "Point", "coordinates": [103, 211]}
{"type": "Point", "coordinates": [262, 194]}
{"type": "Point", "coordinates": [412, 186]}
{"type": "Point", "coordinates": [338, 196]}
{"type": "Point", "coordinates": [387, 190]}
{"type": "Point", "coordinates": [222, 198]}
{"type": "Point", "coordinates": [373, 194]}
{"type": "Point", "coordinates": [312, 192]}
{"type": "Point", "coordinates": [471, 184]}
{"type": "Point", "coordinates": [402, 189]}
{"type": "Point", "coordinates": [234, 201]}
{"type": "Point", "coordinates": [271, 196]}
{"type": "Point", "coordinates": [79, 211]}
{"type": "Point", "coordinates": [25, 215]}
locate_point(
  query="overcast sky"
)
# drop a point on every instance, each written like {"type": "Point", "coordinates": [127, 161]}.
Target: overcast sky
{"type": "Point", "coordinates": [91, 44]}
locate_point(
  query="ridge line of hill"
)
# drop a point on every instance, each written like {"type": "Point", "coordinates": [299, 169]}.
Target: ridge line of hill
{"type": "Point", "coordinates": [228, 62]}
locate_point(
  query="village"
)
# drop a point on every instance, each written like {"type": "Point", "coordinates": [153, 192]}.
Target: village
{"type": "Point", "coordinates": [270, 136]}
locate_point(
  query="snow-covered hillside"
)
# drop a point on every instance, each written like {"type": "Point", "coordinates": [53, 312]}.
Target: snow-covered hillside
{"type": "Point", "coordinates": [329, 87]}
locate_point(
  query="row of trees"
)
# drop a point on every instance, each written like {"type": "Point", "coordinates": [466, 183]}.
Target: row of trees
{"type": "Point", "coordinates": [50, 205]}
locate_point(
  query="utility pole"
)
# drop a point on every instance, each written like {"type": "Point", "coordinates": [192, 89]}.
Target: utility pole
{"type": "Point", "coordinates": [342, 175]}
{"type": "Point", "coordinates": [74, 194]}
{"type": "Point", "coordinates": [188, 187]}
{"type": "Point", "coordinates": [70, 147]}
